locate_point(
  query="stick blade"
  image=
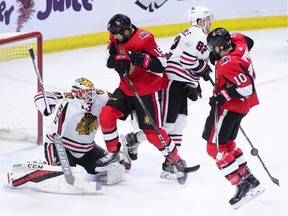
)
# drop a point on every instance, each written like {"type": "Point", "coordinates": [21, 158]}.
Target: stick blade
{"type": "Point", "coordinates": [275, 181]}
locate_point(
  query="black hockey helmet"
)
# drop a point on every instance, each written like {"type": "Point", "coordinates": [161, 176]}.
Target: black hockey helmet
{"type": "Point", "coordinates": [219, 37]}
{"type": "Point", "coordinates": [118, 24]}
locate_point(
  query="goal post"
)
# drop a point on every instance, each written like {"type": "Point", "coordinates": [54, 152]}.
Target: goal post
{"type": "Point", "coordinates": [19, 118]}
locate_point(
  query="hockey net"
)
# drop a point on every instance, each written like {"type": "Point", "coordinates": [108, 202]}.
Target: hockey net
{"type": "Point", "coordinates": [19, 118]}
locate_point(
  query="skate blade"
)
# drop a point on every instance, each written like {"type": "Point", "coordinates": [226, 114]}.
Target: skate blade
{"type": "Point", "coordinates": [242, 202]}
{"type": "Point", "coordinates": [255, 192]}
{"type": "Point", "coordinates": [168, 176]}
{"type": "Point", "coordinates": [252, 194]}
{"type": "Point", "coordinates": [181, 179]}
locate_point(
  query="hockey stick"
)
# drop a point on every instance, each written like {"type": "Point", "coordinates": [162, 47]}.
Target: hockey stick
{"type": "Point", "coordinates": [157, 131]}
{"type": "Point", "coordinates": [39, 80]}
{"type": "Point", "coordinates": [151, 120]}
{"type": "Point", "coordinates": [70, 179]}
{"type": "Point", "coordinates": [254, 151]}
{"type": "Point", "coordinates": [216, 130]}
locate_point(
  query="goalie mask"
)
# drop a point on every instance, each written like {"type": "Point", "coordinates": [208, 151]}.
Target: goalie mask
{"type": "Point", "coordinates": [198, 12]}
{"type": "Point", "coordinates": [84, 90]}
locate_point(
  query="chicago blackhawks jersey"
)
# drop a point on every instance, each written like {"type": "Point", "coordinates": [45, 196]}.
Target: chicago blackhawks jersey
{"type": "Point", "coordinates": [145, 82]}
{"type": "Point", "coordinates": [74, 121]}
{"type": "Point", "coordinates": [236, 69]}
{"type": "Point", "coordinates": [187, 55]}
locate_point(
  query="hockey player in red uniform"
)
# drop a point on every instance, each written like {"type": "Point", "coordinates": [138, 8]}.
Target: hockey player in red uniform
{"type": "Point", "coordinates": [135, 52]}
{"type": "Point", "coordinates": [234, 94]}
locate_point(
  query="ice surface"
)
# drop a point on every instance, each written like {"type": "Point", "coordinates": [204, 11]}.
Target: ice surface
{"type": "Point", "coordinates": [142, 192]}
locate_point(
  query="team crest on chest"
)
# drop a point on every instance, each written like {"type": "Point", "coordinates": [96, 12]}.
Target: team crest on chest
{"type": "Point", "coordinates": [87, 125]}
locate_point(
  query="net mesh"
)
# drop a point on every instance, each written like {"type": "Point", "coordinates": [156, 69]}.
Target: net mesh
{"type": "Point", "coordinates": [18, 85]}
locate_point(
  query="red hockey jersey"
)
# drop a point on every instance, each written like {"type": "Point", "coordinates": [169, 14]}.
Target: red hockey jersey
{"type": "Point", "coordinates": [145, 82]}
{"type": "Point", "coordinates": [235, 68]}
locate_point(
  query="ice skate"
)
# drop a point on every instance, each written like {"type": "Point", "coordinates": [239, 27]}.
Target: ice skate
{"type": "Point", "coordinates": [106, 161]}
{"type": "Point", "coordinates": [241, 195]}
{"type": "Point", "coordinates": [179, 173]}
{"type": "Point", "coordinates": [168, 171]}
{"type": "Point", "coordinates": [257, 189]}
{"type": "Point", "coordinates": [131, 145]}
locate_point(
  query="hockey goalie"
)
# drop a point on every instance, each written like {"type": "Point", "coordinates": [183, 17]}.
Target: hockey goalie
{"type": "Point", "coordinates": [69, 146]}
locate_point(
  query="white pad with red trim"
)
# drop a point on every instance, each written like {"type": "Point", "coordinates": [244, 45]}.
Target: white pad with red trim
{"type": "Point", "coordinates": [46, 178]}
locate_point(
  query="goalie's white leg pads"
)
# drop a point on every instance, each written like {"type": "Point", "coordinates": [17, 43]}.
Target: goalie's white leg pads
{"type": "Point", "coordinates": [115, 175]}
{"type": "Point", "coordinates": [46, 178]}
{"type": "Point", "coordinates": [112, 173]}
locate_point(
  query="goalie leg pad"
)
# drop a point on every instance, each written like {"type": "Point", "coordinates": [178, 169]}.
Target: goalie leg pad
{"type": "Point", "coordinates": [113, 173]}
{"type": "Point", "coordinates": [46, 178]}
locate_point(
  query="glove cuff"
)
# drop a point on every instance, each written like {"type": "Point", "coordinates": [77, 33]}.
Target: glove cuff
{"type": "Point", "coordinates": [146, 61]}
{"type": "Point", "coordinates": [122, 57]}
{"type": "Point", "coordinates": [225, 94]}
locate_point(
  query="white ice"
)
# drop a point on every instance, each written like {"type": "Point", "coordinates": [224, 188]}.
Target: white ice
{"type": "Point", "coordinates": [142, 192]}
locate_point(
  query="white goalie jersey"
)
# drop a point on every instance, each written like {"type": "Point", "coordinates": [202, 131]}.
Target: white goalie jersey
{"type": "Point", "coordinates": [76, 122]}
{"type": "Point", "coordinates": [187, 56]}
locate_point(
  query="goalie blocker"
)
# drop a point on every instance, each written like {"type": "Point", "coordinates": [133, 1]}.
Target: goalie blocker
{"type": "Point", "coordinates": [46, 178]}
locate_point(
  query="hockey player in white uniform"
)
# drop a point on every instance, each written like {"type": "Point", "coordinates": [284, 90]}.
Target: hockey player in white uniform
{"type": "Point", "coordinates": [186, 63]}
{"type": "Point", "coordinates": [76, 122]}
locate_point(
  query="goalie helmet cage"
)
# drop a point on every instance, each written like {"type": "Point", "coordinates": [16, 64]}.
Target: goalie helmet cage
{"type": "Point", "coordinates": [19, 118]}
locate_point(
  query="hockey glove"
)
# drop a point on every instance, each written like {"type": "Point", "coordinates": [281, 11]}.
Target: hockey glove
{"type": "Point", "coordinates": [205, 74]}
{"type": "Point", "coordinates": [140, 59]}
{"type": "Point", "coordinates": [122, 64]}
{"type": "Point", "coordinates": [220, 98]}
{"type": "Point", "coordinates": [193, 93]}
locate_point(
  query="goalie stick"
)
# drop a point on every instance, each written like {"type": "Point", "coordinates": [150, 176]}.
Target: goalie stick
{"type": "Point", "coordinates": [181, 177]}
{"type": "Point", "coordinates": [70, 179]}
{"type": "Point", "coordinates": [254, 151]}
{"type": "Point", "coordinates": [31, 51]}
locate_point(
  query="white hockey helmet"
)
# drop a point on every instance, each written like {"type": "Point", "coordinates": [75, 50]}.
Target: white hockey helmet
{"type": "Point", "coordinates": [84, 90]}
{"type": "Point", "coordinates": [199, 12]}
